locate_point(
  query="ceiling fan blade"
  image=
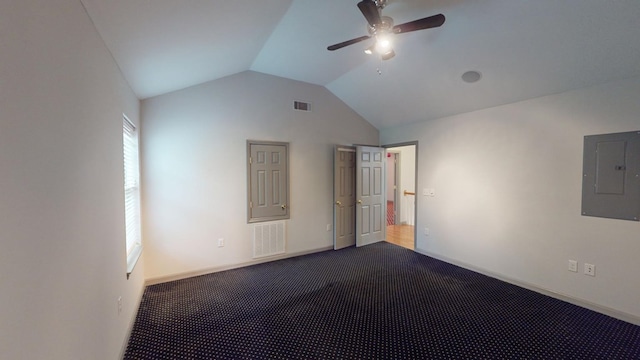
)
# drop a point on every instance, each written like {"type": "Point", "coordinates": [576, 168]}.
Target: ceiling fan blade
{"type": "Point", "coordinates": [370, 12]}
{"type": "Point", "coordinates": [347, 43]}
{"type": "Point", "coordinates": [420, 24]}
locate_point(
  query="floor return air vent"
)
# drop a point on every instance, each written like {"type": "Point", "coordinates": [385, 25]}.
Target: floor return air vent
{"type": "Point", "coordinates": [269, 238]}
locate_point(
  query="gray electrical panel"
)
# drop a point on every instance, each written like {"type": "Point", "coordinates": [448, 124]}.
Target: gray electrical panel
{"type": "Point", "coordinates": [611, 176]}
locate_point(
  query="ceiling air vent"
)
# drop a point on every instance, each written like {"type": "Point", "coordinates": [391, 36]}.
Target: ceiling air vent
{"type": "Point", "coordinates": [301, 105]}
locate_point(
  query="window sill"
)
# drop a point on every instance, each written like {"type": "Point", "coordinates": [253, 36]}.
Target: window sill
{"type": "Point", "coordinates": [132, 259]}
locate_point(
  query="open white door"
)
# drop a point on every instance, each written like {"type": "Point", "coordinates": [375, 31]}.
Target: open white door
{"type": "Point", "coordinates": [370, 195]}
{"type": "Point", "coordinates": [344, 197]}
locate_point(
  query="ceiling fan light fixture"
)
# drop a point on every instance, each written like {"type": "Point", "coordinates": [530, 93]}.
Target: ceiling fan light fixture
{"type": "Point", "coordinates": [388, 55]}
{"type": "Point", "coordinates": [370, 49]}
{"type": "Point", "coordinates": [383, 44]}
{"type": "Point", "coordinates": [382, 29]}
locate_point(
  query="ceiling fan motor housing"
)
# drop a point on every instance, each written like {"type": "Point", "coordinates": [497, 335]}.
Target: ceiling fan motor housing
{"type": "Point", "coordinates": [385, 26]}
{"type": "Point", "coordinates": [380, 4]}
{"type": "Point", "coordinates": [381, 27]}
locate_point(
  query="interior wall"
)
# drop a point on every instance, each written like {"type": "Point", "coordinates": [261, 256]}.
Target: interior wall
{"type": "Point", "coordinates": [408, 183]}
{"type": "Point", "coordinates": [194, 162]}
{"type": "Point", "coordinates": [62, 248]}
{"type": "Point", "coordinates": [508, 193]}
{"type": "Point", "coordinates": [390, 177]}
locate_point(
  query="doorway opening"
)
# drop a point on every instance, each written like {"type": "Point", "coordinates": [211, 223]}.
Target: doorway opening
{"type": "Point", "coordinates": [359, 196]}
{"type": "Point", "coordinates": [401, 198]}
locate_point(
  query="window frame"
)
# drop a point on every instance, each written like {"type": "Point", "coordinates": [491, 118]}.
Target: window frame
{"type": "Point", "coordinates": [131, 187]}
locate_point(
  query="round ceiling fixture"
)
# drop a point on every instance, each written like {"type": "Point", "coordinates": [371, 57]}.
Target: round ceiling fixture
{"type": "Point", "coordinates": [471, 76]}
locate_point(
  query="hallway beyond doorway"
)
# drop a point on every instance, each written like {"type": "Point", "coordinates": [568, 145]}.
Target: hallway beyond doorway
{"type": "Point", "coordinates": [401, 235]}
{"type": "Point", "coordinates": [401, 179]}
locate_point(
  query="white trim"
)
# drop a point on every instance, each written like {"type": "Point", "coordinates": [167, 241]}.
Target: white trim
{"type": "Point", "coordinates": [346, 149]}
{"type": "Point", "coordinates": [135, 128]}
{"type": "Point", "coordinates": [131, 161]}
{"type": "Point", "coordinates": [188, 274]}
{"type": "Point", "coordinates": [132, 258]}
{"type": "Point", "coordinates": [620, 315]}
{"type": "Point", "coordinates": [132, 322]}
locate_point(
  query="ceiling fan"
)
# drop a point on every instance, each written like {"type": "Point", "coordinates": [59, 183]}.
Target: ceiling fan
{"type": "Point", "coordinates": [381, 28]}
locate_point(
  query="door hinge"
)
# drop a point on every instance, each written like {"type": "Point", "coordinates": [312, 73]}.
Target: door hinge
{"type": "Point", "coordinates": [250, 160]}
{"type": "Point", "coordinates": [251, 204]}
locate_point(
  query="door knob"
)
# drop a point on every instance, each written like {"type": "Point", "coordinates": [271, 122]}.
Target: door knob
{"type": "Point", "coordinates": [338, 203]}
{"type": "Point", "coordinates": [284, 206]}
{"type": "Point", "coordinates": [359, 201]}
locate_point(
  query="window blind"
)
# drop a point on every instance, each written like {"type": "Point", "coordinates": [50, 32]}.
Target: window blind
{"type": "Point", "coordinates": [131, 192]}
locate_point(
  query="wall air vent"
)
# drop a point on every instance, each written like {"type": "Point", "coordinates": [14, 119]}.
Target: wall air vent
{"type": "Point", "coordinates": [301, 105]}
{"type": "Point", "coordinates": [269, 238]}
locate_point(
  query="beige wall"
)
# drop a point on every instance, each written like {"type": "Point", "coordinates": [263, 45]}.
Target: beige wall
{"type": "Point", "coordinates": [508, 192]}
{"type": "Point", "coordinates": [194, 165]}
{"type": "Point", "coordinates": [62, 247]}
{"type": "Point", "coordinates": [507, 180]}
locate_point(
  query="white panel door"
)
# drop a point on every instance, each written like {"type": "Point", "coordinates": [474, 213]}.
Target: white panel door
{"type": "Point", "coordinates": [268, 182]}
{"type": "Point", "coordinates": [370, 195]}
{"type": "Point", "coordinates": [344, 197]}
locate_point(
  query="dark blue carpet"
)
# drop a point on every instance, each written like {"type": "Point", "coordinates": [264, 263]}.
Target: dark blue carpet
{"type": "Point", "coordinates": [376, 302]}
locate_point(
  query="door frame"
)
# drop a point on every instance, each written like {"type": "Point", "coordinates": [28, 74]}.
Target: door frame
{"type": "Point", "coordinates": [397, 157]}
{"type": "Point", "coordinates": [275, 213]}
{"type": "Point", "coordinates": [415, 212]}
{"type": "Point", "coordinates": [355, 148]}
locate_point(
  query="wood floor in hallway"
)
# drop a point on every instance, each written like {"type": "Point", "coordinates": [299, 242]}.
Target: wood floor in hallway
{"type": "Point", "coordinates": [401, 235]}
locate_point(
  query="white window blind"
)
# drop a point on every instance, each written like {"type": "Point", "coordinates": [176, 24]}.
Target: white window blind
{"type": "Point", "coordinates": [131, 193]}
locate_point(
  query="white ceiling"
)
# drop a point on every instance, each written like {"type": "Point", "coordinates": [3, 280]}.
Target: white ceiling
{"type": "Point", "coordinates": [524, 49]}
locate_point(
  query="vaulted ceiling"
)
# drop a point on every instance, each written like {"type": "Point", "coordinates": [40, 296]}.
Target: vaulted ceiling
{"type": "Point", "coordinates": [523, 49]}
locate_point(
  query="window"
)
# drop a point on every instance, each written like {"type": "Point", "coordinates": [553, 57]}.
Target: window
{"type": "Point", "coordinates": [131, 193]}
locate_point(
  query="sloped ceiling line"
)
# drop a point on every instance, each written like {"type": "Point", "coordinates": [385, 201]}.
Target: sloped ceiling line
{"type": "Point", "coordinates": [523, 49]}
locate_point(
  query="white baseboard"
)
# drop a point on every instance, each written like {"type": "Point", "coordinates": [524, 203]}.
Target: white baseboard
{"type": "Point", "coordinates": [132, 322]}
{"type": "Point", "coordinates": [572, 300]}
{"type": "Point", "coordinates": [185, 275]}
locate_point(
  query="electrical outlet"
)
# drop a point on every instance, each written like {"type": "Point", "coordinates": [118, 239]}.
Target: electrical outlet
{"type": "Point", "coordinates": [573, 266]}
{"type": "Point", "coordinates": [589, 269]}
{"type": "Point", "coordinates": [220, 242]}
{"type": "Point", "coordinates": [429, 192]}
{"type": "Point", "coordinates": [427, 231]}
{"type": "Point", "coordinates": [119, 305]}
{"type": "Point", "coordinates": [328, 227]}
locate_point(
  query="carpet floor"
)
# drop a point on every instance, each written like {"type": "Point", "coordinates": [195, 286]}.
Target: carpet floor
{"type": "Point", "coordinates": [376, 302]}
